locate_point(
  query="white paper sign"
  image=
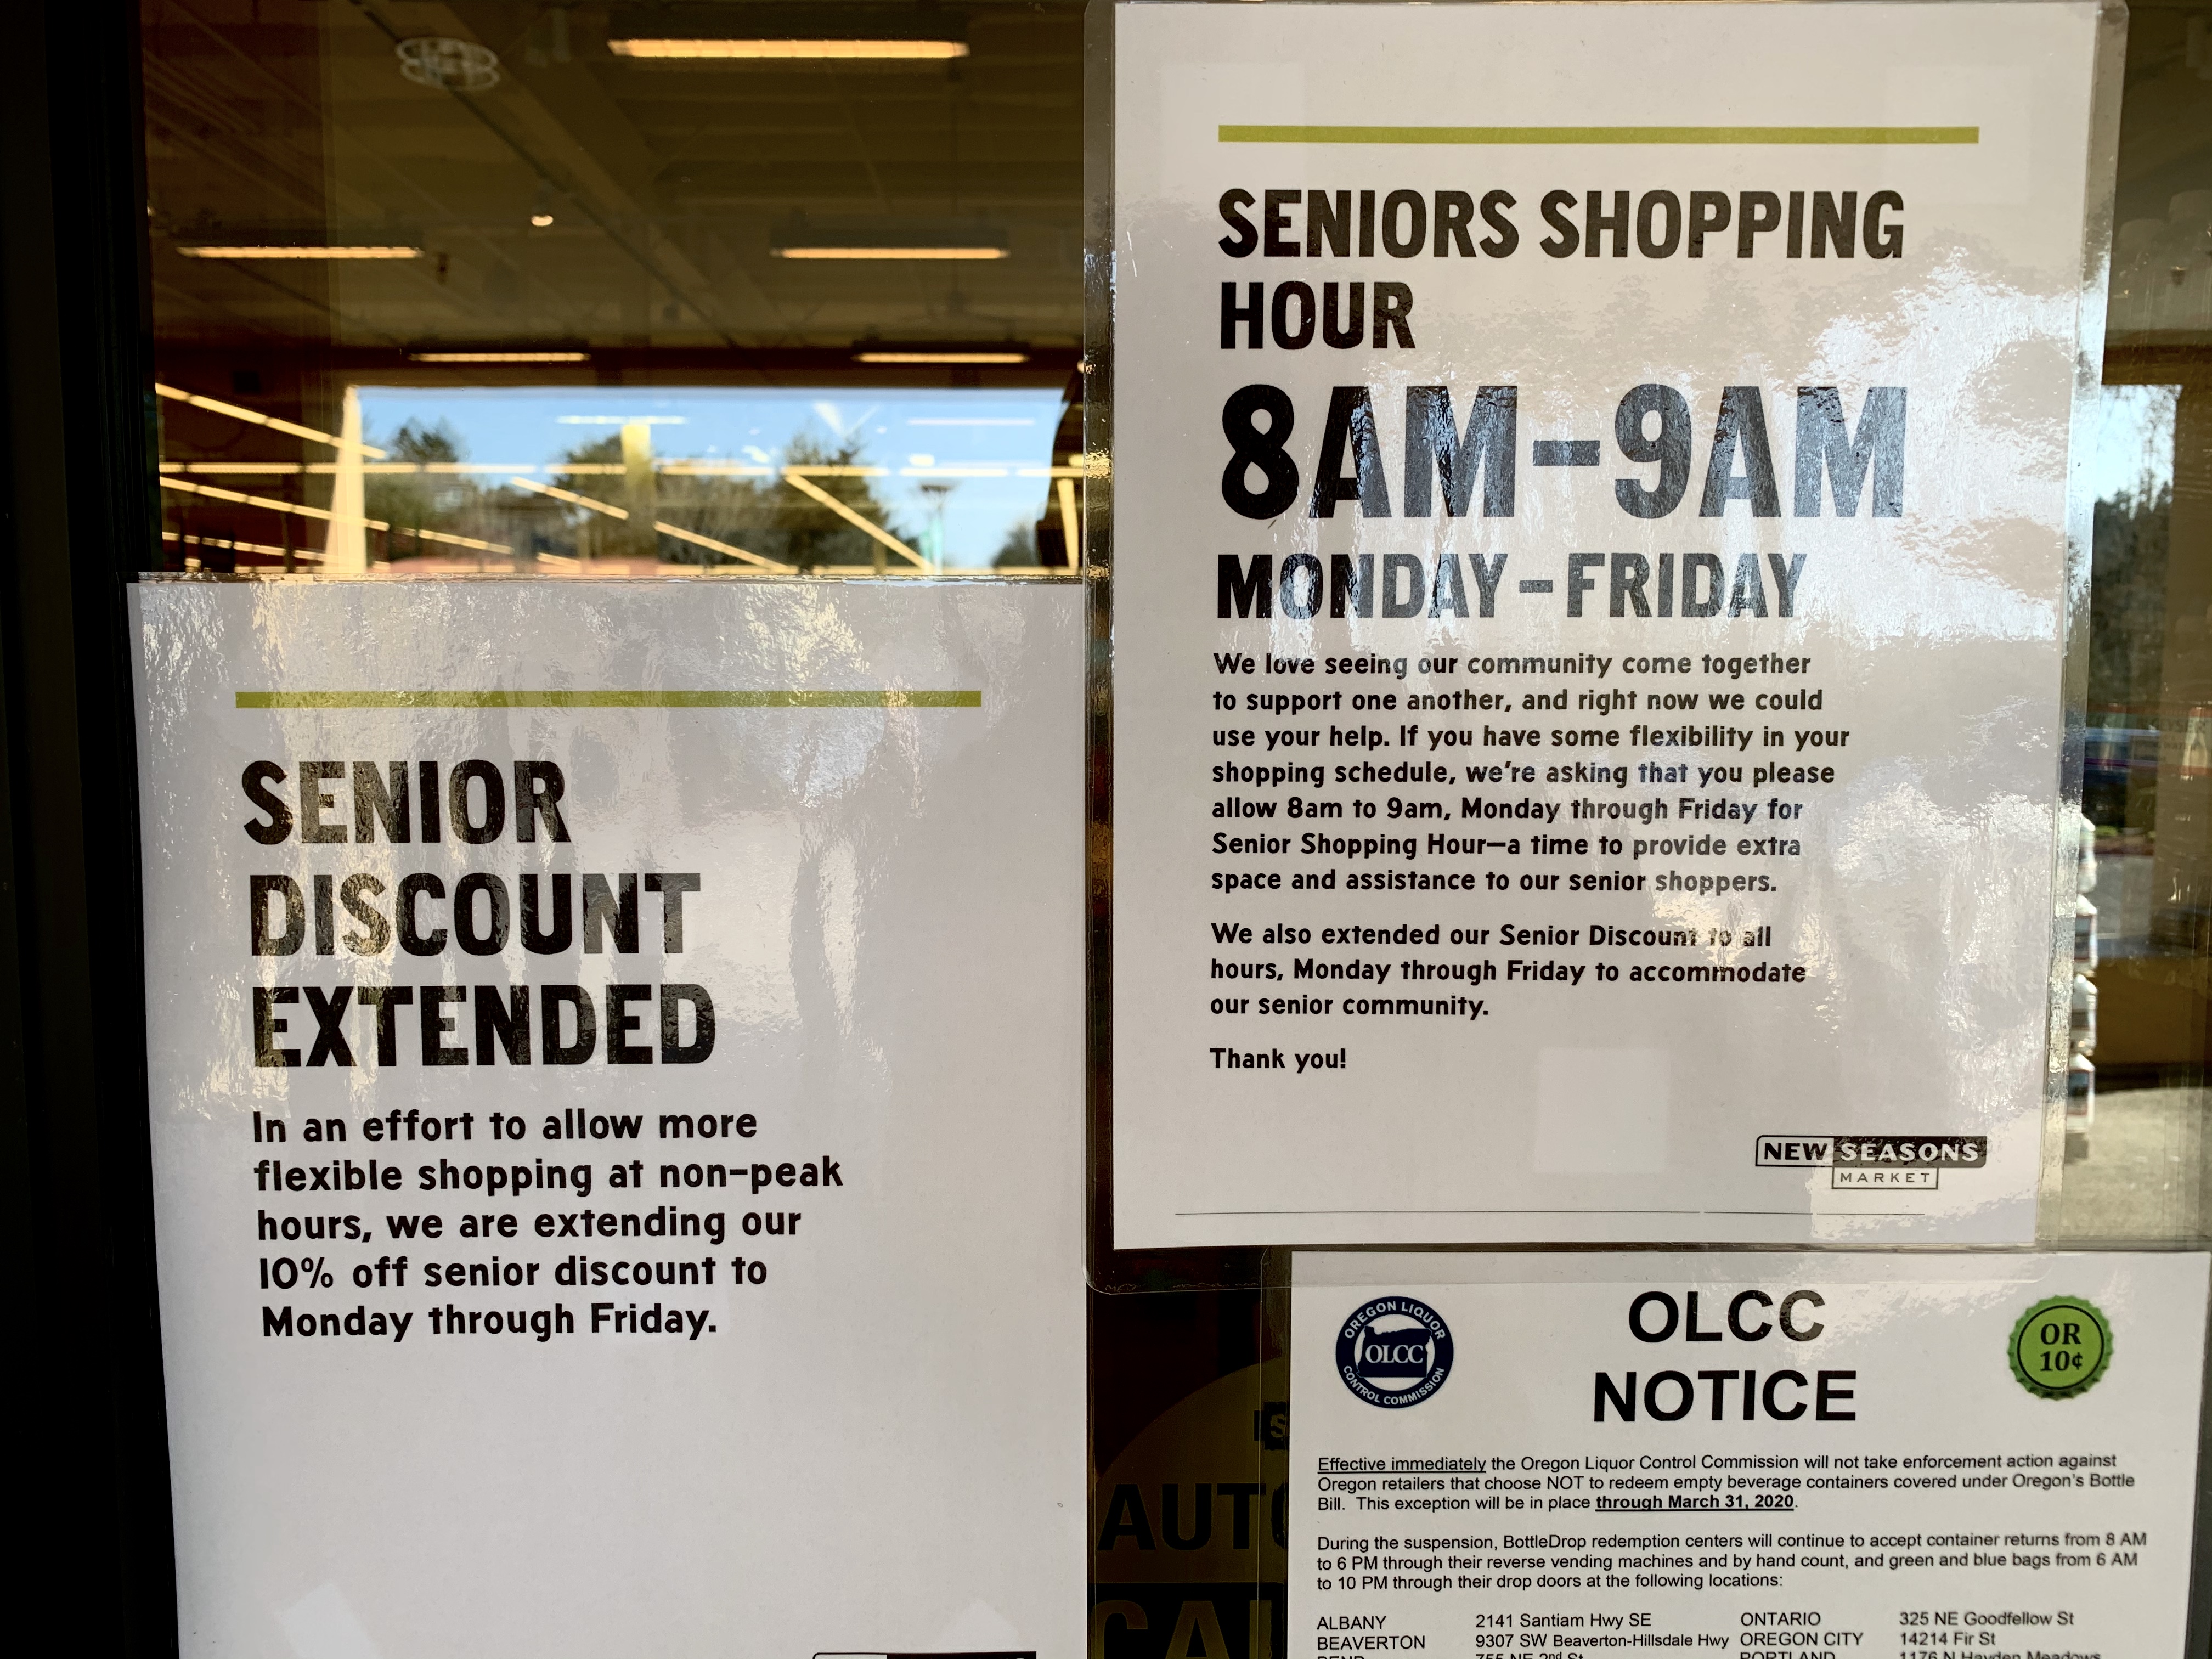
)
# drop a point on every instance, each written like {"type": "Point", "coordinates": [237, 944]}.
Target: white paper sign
{"type": "Point", "coordinates": [615, 1055]}
{"type": "Point", "coordinates": [1876, 1454]}
{"type": "Point", "coordinates": [1590, 500]}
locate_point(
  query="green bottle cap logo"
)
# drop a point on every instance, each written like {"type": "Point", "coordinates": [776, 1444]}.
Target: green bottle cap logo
{"type": "Point", "coordinates": [2061, 1347]}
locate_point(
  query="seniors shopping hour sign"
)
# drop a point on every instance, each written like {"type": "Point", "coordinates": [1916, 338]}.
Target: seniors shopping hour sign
{"type": "Point", "coordinates": [1590, 550]}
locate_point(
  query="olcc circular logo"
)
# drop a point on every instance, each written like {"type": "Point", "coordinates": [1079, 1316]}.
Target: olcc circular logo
{"type": "Point", "coordinates": [1393, 1351]}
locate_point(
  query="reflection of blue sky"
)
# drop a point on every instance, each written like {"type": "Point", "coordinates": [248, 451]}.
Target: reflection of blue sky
{"type": "Point", "coordinates": [954, 435]}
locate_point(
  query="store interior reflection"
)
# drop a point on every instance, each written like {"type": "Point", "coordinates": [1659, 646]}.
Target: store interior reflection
{"type": "Point", "coordinates": [830, 257]}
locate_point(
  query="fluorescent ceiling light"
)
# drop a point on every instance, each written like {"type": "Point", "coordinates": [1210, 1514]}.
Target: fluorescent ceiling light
{"type": "Point", "coordinates": [941, 357]}
{"type": "Point", "coordinates": [297, 509]}
{"type": "Point", "coordinates": [255, 417]}
{"type": "Point", "coordinates": [308, 554]}
{"type": "Point", "coordinates": [297, 251]}
{"type": "Point", "coordinates": [890, 252]}
{"type": "Point", "coordinates": [957, 353]}
{"type": "Point", "coordinates": [665, 47]}
{"type": "Point", "coordinates": [886, 237]}
{"type": "Point", "coordinates": [499, 356]}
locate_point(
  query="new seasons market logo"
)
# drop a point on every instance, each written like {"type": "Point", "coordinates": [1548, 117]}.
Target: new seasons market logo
{"type": "Point", "coordinates": [1874, 1161]}
{"type": "Point", "coordinates": [1393, 1351]}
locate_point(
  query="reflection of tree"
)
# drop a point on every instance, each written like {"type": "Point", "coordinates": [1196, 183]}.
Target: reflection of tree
{"type": "Point", "coordinates": [417, 501]}
{"type": "Point", "coordinates": [800, 530]}
{"type": "Point", "coordinates": [2128, 598]}
{"type": "Point", "coordinates": [1019, 551]}
{"type": "Point", "coordinates": [598, 453]}
{"type": "Point", "coordinates": [454, 503]}
{"type": "Point", "coordinates": [763, 515]}
{"type": "Point", "coordinates": [2127, 639]}
{"type": "Point", "coordinates": [593, 532]}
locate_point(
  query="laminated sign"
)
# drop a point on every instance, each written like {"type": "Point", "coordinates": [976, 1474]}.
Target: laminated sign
{"type": "Point", "coordinates": [1590, 563]}
{"type": "Point", "coordinates": [1822, 1452]}
{"type": "Point", "coordinates": [616, 1152]}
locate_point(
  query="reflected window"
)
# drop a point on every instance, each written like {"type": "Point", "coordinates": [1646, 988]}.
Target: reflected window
{"type": "Point", "coordinates": [599, 287]}
{"type": "Point", "coordinates": [827, 480]}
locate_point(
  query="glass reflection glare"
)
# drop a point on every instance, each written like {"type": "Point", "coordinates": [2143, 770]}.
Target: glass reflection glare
{"type": "Point", "coordinates": [559, 480]}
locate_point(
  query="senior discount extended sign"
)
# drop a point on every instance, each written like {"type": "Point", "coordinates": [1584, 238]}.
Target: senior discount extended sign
{"type": "Point", "coordinates": [1590, 545]}
{"type": "Point", "coordinates": [590, 1183]}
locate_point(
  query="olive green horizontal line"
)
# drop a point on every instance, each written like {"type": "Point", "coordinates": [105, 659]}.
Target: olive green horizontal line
{"type": "Point", "coordinates": [1310, 135]}
{"type": "Point", "coordinates": [610, 700]}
